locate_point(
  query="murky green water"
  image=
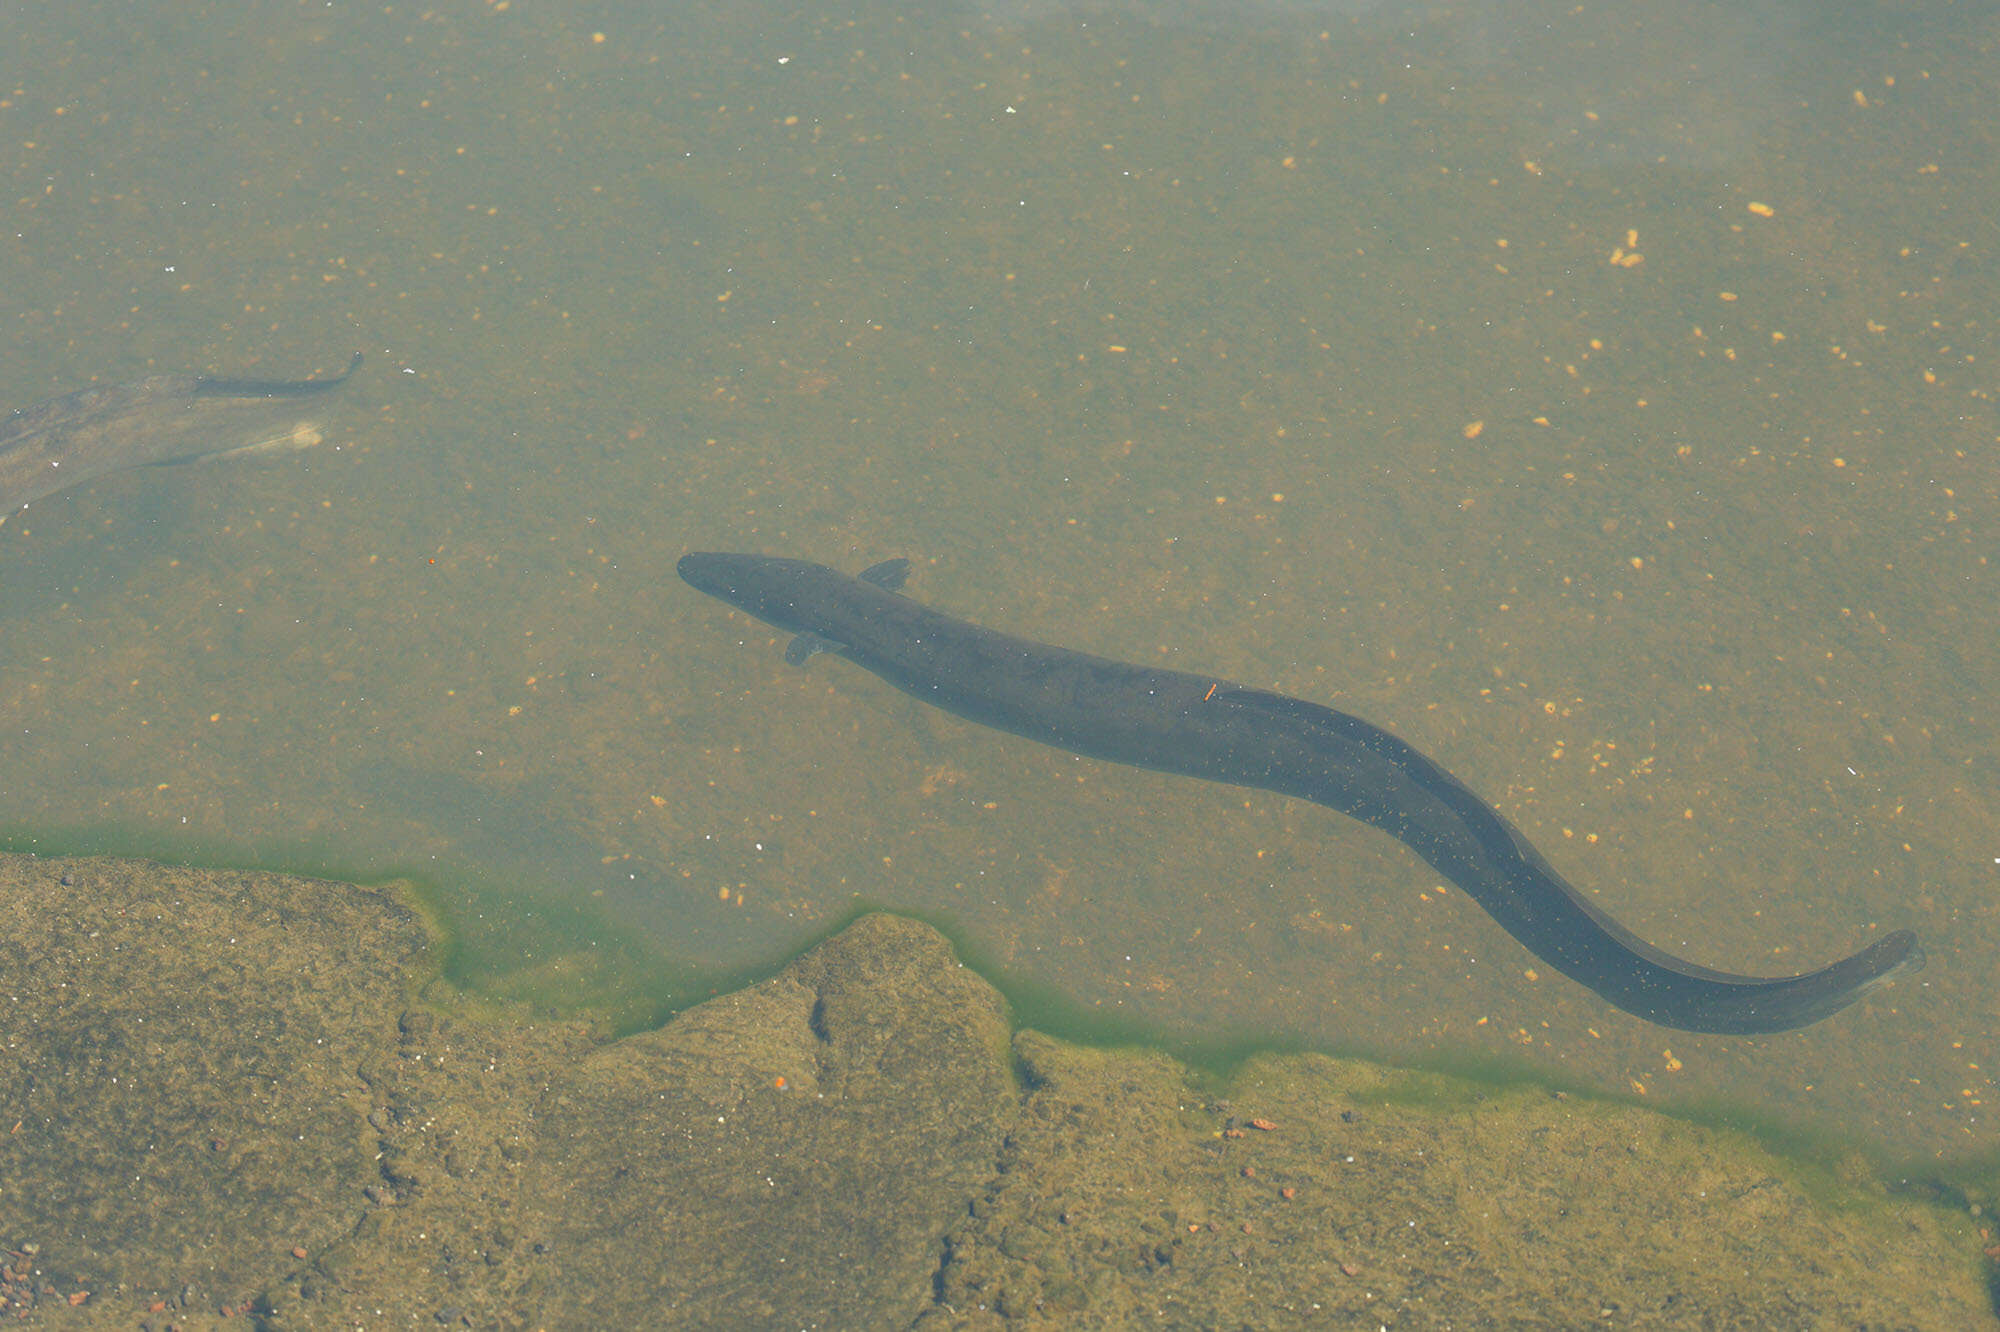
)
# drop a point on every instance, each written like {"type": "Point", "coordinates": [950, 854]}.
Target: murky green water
{"type": "Point", "coordinates": [1602, 402]}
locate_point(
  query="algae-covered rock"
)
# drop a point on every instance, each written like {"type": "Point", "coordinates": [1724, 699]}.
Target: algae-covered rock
{"type": "Point", "coordinates": [180, 1108]}
{"type": "Point", "coordinates": [1314, 1189]}
{"type": "Point", "coordinates": [789, 1155]}
{"type": "Point", "coordinates": [223, 1101]}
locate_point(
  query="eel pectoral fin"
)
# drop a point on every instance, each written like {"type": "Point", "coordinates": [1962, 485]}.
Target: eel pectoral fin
{"type": "Point", "coordinates": [805, 647]}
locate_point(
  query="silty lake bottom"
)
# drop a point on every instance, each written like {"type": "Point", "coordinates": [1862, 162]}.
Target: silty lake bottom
{"type": "Point", "coordinates": [1619, 444]}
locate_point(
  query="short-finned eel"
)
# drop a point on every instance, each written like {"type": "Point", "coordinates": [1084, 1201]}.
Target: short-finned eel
{"type": "Point", "coordinates": [1199, 726]}
{"type": "Point", "coordinates": [150, 422]}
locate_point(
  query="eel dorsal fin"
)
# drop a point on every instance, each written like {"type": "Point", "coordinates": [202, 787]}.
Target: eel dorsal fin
{"type": "Point", "coordinates": [889, 575]}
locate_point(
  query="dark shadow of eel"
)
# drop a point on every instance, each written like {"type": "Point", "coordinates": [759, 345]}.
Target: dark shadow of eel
{"type": "Point", "coordinates": [1198, 726]}
{"type": "Point", "coordinates": [150, 422]}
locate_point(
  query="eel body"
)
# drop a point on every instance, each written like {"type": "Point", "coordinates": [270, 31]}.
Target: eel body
{"type": "Point", "coordinates": [148, 422]}
{"type": "Point", "coordinates": [1199, 726]}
